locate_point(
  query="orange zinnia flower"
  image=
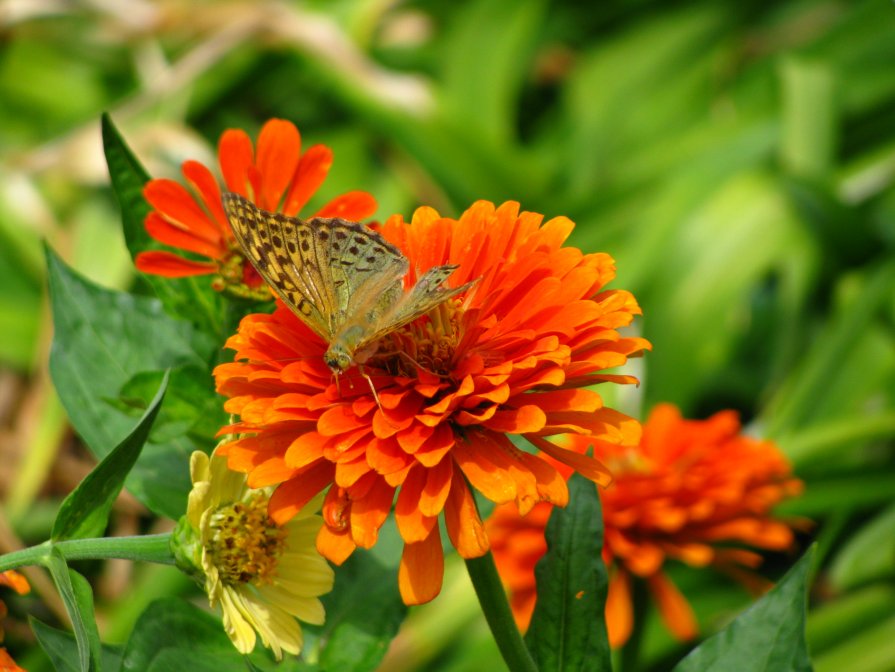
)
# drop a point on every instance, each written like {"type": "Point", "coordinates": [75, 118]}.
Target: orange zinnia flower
{"type": "Point", "coordinates": [278, 177]}
{"type": "Point", "coordinates": [7, 664]}
{"type": "Point", "coordinates": [509, 358]}
{"type": "Point", "coordinates": [19, 584]}
{"type": "Point", "coordinates": [688, 486]}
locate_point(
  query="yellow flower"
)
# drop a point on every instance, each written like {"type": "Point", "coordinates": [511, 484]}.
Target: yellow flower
{"type": "Point", "coordinates": [263, 575]}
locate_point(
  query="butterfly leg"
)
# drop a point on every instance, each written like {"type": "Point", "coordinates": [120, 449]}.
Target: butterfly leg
{"type": "Point", "coordinates": [338, 387]}
{"type": "Point", "coordinates": [362, 372]}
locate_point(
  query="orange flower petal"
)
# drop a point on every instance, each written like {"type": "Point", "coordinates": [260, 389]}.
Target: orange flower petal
{"type": "Point", "coordinates": [236, 157]}
{"type": "Point", "coordinates": [369, 513]}
{"type": "Point", "coordinates": [168, 234]}
{"type": "Point", "coordinates": [7, 664]}
{"type": "Point", "coordinates": [676, 612]}
{"type": "Point", "coordinates": [171, 265]}
{"type": "Point", "coordinates": [205, 184]}
{"type": "Point", "coordinates": [15, 581]}
{"type": "Point", "coordinates": [435, 492]}
{"type": "Point", "coordinates": [421, 571]}
{"type": "Point", "coordinates": [334, 546]}
{"type": "Point", "coordinates": [270, 472]}
{"type": "Point", "coordinates": [353, 206]}
{"type": "Point", "coordinates": [588, 467]}
{"type": "Point", "coordinates": [173, 202]}
{"type": "Point", "coordinates": [279, 146]}
{"type": "Point", "coordinates": [517, 421]}
{"type": "Point", "coordinates": [290, 497]}
{"type": "Point", "coordinates": [619, 612]}
{"type": "Point", "coordinates": [492, 481]}
{"type": "Point", "coordinates": [464, 527]}
{"type": "Point", "coordinates": [312, 170]}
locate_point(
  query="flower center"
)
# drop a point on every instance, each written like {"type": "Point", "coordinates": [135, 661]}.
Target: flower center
{"type": "Point", "coordinates": [238, 278]}
{"type": "Point", "coordinates": [429, 345]}
{"type": "Point", "coordinates": [245, 542]}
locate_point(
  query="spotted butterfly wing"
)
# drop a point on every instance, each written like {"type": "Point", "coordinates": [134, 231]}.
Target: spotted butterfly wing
{"type": "Point", "coordinates": [317, 267]}
{"type": "Point", "coordinates": [343, 279]}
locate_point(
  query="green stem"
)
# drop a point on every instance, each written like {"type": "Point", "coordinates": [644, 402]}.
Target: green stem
{"type": "Point", "coordinates": [148, 548]}
{"type": "Point", "coordinates": [497, 612]}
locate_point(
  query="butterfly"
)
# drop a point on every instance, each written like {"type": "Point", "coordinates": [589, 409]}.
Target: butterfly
{"type": "Point", "coordinates": [344, 280]}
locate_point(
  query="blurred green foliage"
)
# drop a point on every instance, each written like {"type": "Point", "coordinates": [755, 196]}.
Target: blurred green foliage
{"type": "Point", "coordinates": [737, 159]}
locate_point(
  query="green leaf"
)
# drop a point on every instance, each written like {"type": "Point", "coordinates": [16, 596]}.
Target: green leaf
{"type": "Point", "coordinates": [85, 512]}
{"type": "Point", "coordinates": [568, 627]}
{"type": "Point", "coordinates": [842, 620]}
{"type": "Point", "coordinates": [101, 340]}
{"type": "Point", "coordinates": [173, 634]}
{"type": "Point", "coordinates": [871, 649]}
{"type": "Point", "coordinates": [810, 119]}
{"type": "Point", "coordinates": [768, 637]}
{"type": "Point", "coordinates": [62, 649]}
{"type": "Point", "coordinates": [868, 555]}
{"type": "Point", "coordinates": [190, 298]}
{"type": "Point", "coordinates": [78, 599]}
{"type": "Point", "coordinates": [191, 407]}
{"type": "Point", "coordinates": [801, 401]}
{"type": "Point", "coordinates": [508, 52]}
{"type": "Point", "coordinates": [357, 632]}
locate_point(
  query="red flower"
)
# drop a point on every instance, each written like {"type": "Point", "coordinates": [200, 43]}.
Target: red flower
{"type": "Point", "coordinates": [512, 357]}
{"type": "Point", "coordinates": [689, 486]}
{"type": "Point", "coordinates": [278, 177]}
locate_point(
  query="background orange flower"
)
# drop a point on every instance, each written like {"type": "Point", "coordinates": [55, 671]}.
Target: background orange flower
{"type": "Point", "coordinates": [511, 358]}
{"type": "Point", "coordinates": [18, 583]}
{"type": "Point", "coordinates": [277, 176]}
{"type": "Point", "coordinates": [689, 486]}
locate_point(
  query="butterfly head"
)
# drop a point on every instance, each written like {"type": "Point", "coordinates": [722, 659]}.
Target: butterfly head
{"type": "Point", "coordinates": [337, 358]}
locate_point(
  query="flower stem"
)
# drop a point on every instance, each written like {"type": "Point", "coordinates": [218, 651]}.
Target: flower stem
{"type": "Point", "coordinates": [497, 612]}
{"type": "Point", "coordinates": [148, 548]}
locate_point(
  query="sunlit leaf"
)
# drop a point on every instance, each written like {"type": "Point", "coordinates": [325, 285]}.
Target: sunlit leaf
{"type": "Point", "coordinates": [85, 512]}
{"type": "Point", "coordinates": [568, 627]}
{"type": "Point", "coordinates": [78, 599]}
{"type": "Point", "coordinates": [101, 340]}
{"type": "Point", "coordinates": [768, 637]}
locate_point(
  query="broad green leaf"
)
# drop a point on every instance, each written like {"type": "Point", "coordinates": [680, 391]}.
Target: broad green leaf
{"type": "Point", "coordinates": [172, 630]}
{"type": "Point", "coordinates": [842, 619]}
{"type": "Point", "coordinates": [85, 512]}
{"type": "Point", "coordinates": [568, 627]}
{"type": "Point", "coordinates": [768, 637]}
{"type": "Point", "coordinates": [847, 492]}
{"type": "Point", "coordinates": [101, 340]}
{"type": "Point", "coordinates": [358, 631]}
{"type": "Point", "coordinates": [191, 408]}
{"type": "Point", "coordinates": [810, 125]}
{"type": "Point", "coordinates": [21, 280]}
{"type": "Point", "coordinates": [871, 649]}
{"type": "Point", "coordinates": [797, 403]}
{"type": "Point", "coordinates": [509, 53]}
{"type": "Point", "coordinates": [62, 649]}
{"type": "Point", "coordinates": [78, 599]}
{"type": "Point", "coordinates": [212, 661]}
{"type": "Point", "coordinates": [190, 298]}
{"type": "Point", "coordinates": [697, 294]}
{"type": "Point", "coordinates": [868, 555]}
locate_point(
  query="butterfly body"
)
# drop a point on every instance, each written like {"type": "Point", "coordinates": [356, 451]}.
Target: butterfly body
{"type": "Point", "coordinates": [344, 280]}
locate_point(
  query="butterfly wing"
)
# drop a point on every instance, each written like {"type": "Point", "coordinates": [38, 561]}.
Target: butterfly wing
{"type": "Point", "coordinates": [286, 253]}
{"type": "Point", "coordinates": [425, 295]}
{"type": "Point", "coordinates": [363, 268]}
